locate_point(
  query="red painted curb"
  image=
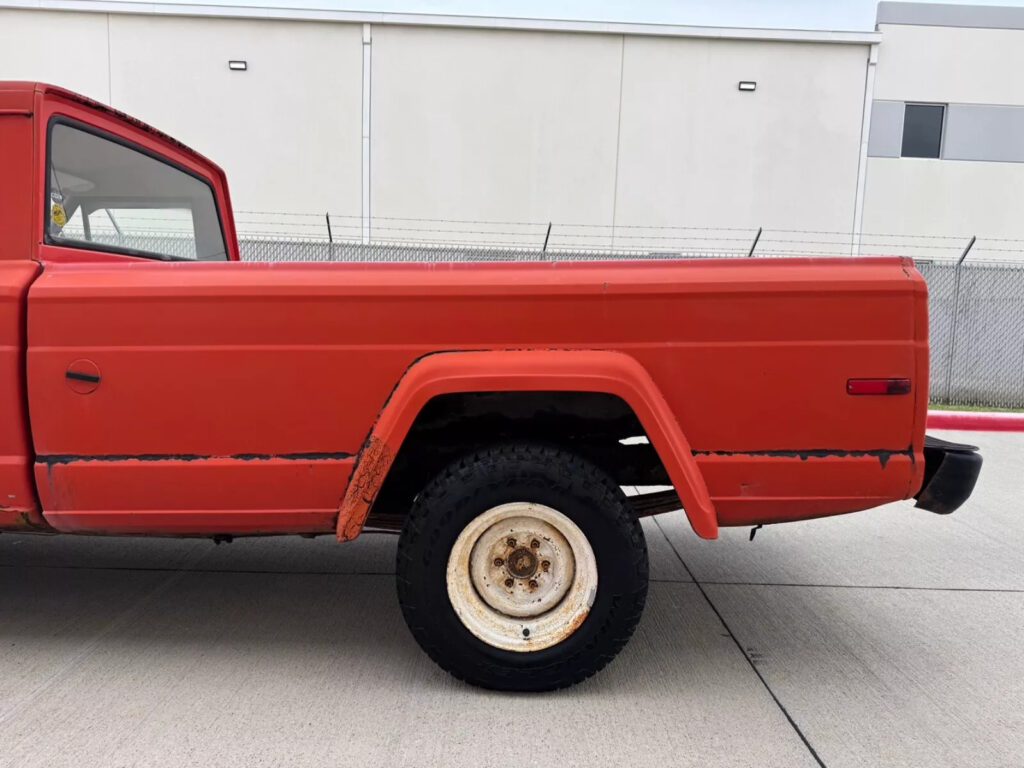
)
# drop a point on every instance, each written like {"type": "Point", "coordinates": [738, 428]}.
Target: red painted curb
{"type": "Point", "coordinates": [979, 420]}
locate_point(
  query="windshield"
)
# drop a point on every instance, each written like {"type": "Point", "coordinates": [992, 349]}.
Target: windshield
{"type": "Point", "coordinates": [105, 195]}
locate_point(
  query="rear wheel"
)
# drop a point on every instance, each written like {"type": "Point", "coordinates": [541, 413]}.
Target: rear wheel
{"type": "Point", "coordinates": [522, 567]}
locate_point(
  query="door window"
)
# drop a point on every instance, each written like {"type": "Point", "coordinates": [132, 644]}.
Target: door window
{"type": "Point", "coordinates": [106, 195]}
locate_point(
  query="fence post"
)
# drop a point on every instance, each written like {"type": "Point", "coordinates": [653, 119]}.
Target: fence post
{"type": "Point", "coordinates": [956, 317]}
{"type": "Point", "coordinates": [753, 245]}
{"type": "Point", "coordinates": [330, 237]}
{"type": "Point", "coordinates": [545, 248]}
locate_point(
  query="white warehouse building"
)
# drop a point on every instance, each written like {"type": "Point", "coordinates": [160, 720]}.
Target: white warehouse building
{"type": "Point", "coordinates": [633, 136]}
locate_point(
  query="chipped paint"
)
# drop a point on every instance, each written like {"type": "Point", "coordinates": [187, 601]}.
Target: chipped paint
{"type": "Point", "coordinates": [882, 454]}
{"type": "Point", "coordinates": [573, 625]}
{"type": "Point", "coordinates": [367, 479]}
{"type": "Point", "coordinates": [21, 519]}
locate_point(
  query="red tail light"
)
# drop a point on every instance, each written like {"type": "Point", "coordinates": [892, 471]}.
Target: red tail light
{"type": "Point", "coordinates": [878, 387]}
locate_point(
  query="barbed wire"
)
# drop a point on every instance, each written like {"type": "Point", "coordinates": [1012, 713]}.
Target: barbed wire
{"type": "Point", "coordinates": [588, 237]}
{"type": "Point", "coordinates": [592, 225]}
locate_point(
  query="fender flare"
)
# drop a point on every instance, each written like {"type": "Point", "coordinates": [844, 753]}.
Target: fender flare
{"type": "Point", "coordinates": [442, 373]}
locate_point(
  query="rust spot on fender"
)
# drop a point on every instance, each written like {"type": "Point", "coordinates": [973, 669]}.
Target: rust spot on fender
{"type": "Point", "coordinates": [371, 469]}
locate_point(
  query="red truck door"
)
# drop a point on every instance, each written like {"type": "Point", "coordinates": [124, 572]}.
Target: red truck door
{"type": "Point", "coordinates": [151, 399]}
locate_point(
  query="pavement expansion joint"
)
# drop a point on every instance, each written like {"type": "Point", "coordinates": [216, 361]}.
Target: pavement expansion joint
{"type": "Point", "coordinates": [743, 651]}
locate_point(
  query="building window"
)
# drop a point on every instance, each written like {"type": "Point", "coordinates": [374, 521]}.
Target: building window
{"type": "Point", "coordinates": [922, 130]}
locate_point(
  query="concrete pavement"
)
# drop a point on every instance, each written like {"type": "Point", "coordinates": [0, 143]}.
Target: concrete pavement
{"type": "Point", "coordinates": [889, 637]}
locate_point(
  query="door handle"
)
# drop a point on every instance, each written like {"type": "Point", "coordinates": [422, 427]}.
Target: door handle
{"type": "Point", "coordinates": [82, 376]}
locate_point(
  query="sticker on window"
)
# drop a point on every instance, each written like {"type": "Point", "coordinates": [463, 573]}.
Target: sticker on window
{"type": "Point", "coordinates": [58, 216]}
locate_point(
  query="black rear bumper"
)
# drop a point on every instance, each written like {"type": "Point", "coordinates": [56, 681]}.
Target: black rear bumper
{"type": "Point", "coordinates": [950, 472]}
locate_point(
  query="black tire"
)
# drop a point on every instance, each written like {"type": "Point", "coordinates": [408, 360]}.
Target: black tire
{"type": "Point", "coordinates": [543, 475]}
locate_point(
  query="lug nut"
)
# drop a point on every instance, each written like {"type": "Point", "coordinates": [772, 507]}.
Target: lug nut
{"type": "Point", "coordinates": [498, 561]}
{"type": "Point", "coordinates": [533, 583]}
{"type": "Point", "coordinates": [545, 564]}
{"type": "Point", "coordinates": [534, 544]}
{"type": "Point", "coordinates": [511, 542]}
{"type": "Point", "coordinates": [509, 582]}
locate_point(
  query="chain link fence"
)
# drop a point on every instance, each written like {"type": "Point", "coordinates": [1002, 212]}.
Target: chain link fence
{"type": "Point", "coordinates": [268, 249]}
{"type": "Point", "coordinates": [976, 316]}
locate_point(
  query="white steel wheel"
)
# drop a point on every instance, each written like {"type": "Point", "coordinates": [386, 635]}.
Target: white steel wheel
{"type": "Point", "coordinates": [456, 554]}
{"type": "Point", "coordinates": [522, 577]}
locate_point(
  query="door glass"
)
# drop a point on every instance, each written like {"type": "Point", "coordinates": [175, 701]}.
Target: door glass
{"type": "Point", "coordinates": [105, 195]}
{"type": "Point", "coordinates": [166, 231]}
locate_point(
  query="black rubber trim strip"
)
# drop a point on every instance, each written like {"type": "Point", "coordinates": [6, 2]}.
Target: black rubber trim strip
{"type": "Point", "coordinates": [69, 458]}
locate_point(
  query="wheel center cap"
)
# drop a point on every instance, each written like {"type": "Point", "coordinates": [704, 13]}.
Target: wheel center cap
{"type": "Point", "coordinates": [522, 563]}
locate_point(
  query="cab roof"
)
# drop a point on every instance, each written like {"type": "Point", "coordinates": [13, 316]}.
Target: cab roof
{"type": "Point", "coordinates": [13, 89]}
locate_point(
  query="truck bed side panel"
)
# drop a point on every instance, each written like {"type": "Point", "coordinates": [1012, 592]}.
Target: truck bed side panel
{"type": "Point", "coordinates": [235, 396]}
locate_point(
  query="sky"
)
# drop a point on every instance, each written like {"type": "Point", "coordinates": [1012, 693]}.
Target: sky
{"type": "Point", "coordinates": [770, 14]}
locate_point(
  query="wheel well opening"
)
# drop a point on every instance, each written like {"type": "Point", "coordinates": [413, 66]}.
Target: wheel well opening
{"type": "Point", "coordinates": [598, 426]}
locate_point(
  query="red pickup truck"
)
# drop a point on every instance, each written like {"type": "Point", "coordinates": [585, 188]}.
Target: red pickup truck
{"type": "Point", "coordinates": [150, 384]}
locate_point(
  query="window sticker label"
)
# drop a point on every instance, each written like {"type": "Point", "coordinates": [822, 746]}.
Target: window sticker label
{"type": "Point", "coordinates": [58, 215]}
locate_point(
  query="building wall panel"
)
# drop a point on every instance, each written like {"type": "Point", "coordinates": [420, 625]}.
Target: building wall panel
{"type": "Point", "coordinates": [917, 196]}
{"type": "Point", "coordinates": [950, 64]}
{"type": "Point", "coordinates": [493, 125]}
{"type": "Point", "coordinates": [68, 49]}
{"type": "Point", "coordinates": [984, 132]}
{"type": "Point", "coordinates": [286, 131]}
{"type": "Point", "coordinates": [697, 151]}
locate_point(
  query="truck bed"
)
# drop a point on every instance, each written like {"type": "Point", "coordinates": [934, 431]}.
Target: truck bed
{"type": "Point", "coordinates": [236, 396]}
